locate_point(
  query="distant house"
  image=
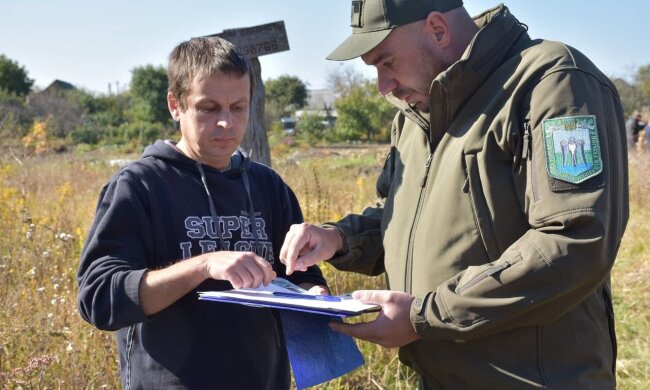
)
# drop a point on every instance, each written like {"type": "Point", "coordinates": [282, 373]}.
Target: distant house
{"type": "Point", "coordinates": [54, 89]}
{"type": "Point", "coordinates": [58, 86]}
{"type": "Point", "coordinates": [320, 102]}
{"type": "Point", "coordinates": [321, 99]}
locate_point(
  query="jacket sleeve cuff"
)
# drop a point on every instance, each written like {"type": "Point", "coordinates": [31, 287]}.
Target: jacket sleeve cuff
{"type": "Point", "coordinates": [344, 238]}
{"type": "Point", "coordinates": [362, 252]}
{"type": "Point", "coordinates": [418, 313]}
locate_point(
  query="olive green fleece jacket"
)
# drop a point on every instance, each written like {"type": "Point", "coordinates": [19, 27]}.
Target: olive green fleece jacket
{"type": "Point", "coordinates": [510, 267]}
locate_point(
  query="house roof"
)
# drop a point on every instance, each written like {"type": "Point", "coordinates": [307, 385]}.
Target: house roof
{"type": "Point", "coordinates": [59, 85]}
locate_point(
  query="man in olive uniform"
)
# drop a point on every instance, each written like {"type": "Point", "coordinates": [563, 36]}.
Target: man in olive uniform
{"type": "Point", "coordinates": [502, 202]}
{"type": "Point", "coordinates": [633, 126]}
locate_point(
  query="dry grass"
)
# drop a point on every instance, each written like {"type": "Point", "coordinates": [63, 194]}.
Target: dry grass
{"type": "Point", "coordinates": [630, 283]}
{"type": "Point", "coordinates": [47, 205]}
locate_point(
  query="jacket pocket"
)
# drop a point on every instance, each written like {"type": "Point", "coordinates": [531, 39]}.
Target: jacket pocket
{"type": "Point", "coordinates": [385, 180]}
{"type": "Point", "coordinates": [607, 296]}
{"type": "Point", "coordinates": [527, 159]}
{"type": "Point", "coordinates": [473, 280]}
{"type": "Point", "coordinates": [480, 210]}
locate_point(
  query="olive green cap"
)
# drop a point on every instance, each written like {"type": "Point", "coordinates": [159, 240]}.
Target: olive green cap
{"type": "Point", "coordinates": [373, 20]}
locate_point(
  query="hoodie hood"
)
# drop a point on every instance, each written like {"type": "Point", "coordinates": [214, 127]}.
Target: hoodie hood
{"type": "Point", "coordinates": [239, 163]}
{"type": "Point", "coordinates": [168, 151]}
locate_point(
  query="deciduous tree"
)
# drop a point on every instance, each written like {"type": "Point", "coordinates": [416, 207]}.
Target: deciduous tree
{"type": "Point", "coordinates": [13, 77]}
{"type": "Point", "coordinates": [149, 92]}
{"type": "Point", "coordinates": [363, 114]}
{"type": "Point", "coordinates": [288, 93]}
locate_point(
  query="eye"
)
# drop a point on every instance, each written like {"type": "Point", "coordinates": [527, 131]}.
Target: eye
{"type": "Point", "coordinates": [388, 63]}
{"type": "Point", "coordinates": [207, 109]}
{"type": "Point", "coordinates": [239, 108]}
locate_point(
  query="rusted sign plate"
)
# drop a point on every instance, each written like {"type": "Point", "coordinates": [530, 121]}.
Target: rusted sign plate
{"type": "Point", "coordinates": [258, 40]}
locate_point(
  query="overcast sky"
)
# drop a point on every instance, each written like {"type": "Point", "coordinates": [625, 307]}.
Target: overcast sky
{"type": "Point", "coordinates": [93, 43]}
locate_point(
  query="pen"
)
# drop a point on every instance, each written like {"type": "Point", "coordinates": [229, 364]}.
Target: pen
{"type": "Point", "coordinates": [329, 298]}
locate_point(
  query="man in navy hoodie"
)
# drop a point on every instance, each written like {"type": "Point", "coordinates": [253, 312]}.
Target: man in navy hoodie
{"type": "Point", "coordinates": [193, 216]}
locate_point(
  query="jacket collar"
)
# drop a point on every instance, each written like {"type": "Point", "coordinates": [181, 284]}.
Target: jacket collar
{"type": "Point", "coordinates": [499, 35]}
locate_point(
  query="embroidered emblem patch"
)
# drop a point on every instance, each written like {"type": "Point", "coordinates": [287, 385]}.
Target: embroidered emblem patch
{"type": "Point", "coordinates": [572, 148]}
{"type": "Point", "coordinates": [356, 14]}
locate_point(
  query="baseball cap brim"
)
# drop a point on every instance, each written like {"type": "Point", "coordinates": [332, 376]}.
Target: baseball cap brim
{"type": "Point", "coordinates": [358, 44]}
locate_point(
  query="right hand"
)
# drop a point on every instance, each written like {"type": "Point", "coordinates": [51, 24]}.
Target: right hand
{"type": "Point", "coordinates": [241, 269]}
{"type": "Point", "coordinates": [307, 244]}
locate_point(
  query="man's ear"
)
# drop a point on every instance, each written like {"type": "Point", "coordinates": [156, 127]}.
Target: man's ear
{"type": "Point", "coordinates": [174, 106]}
{"type": "Point", "coordinates": [437, 26]}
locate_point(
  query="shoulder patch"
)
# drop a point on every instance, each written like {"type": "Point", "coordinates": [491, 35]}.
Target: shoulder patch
{"type": "Point", "coordinates": [572, 148]}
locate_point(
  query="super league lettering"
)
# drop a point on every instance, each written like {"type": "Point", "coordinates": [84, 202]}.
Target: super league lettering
{"type": "Point", "coordinates": [264, 249]}
{"type": "Point", "coordinates": [200, 227]}
{"type": "Point", "coordinates": [186, 250]}
{"type": "Point", "coordinates": [260, 228]}
{"type": "Point", "coordinates": [210, 227]}
{"type": "Point", "coordinates": [194, 226]}
{"type": "Point", "coordinates": [208, 246]}
{"type": "Point", "coordinates": [203, 233]}
{"type": "Point", "coordinates": [230, 224]}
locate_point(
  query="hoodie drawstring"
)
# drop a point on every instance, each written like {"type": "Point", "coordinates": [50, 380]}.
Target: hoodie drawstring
{"type": "Point", "coordinates": [213, 212]}
{"type": "Point", "coordinates": [251, 210]}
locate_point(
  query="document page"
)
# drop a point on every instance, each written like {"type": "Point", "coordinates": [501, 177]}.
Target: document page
{"type": "Point", "coordinates": [282, 294]}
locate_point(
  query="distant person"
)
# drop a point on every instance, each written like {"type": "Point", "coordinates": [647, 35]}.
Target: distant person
{"type": "Point", "coordinates": [502, 205]}
{"type": "Point", "coordinates": [193, 216]}
{"type": "Point", "coordinates": [647, 134]}
{"type": "Point", "coordinates": [633, 127]}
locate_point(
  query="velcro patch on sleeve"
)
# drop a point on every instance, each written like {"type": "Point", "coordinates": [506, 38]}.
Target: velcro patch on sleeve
{"type": "Point", "coordinates": [572, 148]}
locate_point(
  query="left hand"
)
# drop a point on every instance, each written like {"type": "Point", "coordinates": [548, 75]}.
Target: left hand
{"type": "Point", "coordinates": [391, 328]}
{"type": "Point", "coordinates": [315, 289]}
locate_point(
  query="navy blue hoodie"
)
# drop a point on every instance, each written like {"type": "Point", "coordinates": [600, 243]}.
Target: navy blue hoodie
{"type": "Point", "coordinates": [157, 211]}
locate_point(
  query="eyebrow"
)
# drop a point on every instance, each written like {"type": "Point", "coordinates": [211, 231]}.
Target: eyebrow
{"type": "Point", "coordinates": [206, 98]}
{"type": "Point", "coordinates": [380, 58]}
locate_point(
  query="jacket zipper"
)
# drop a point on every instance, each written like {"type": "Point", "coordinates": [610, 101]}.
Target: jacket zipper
{"type": "Point", "coordinates": [466, 189]}
{"type": "Point", "coordinates": [483, 275]}
{"type": "Point", "coordinates": [526, 148]}
{"type": "Point", "coordinates": [433, 143]}
{"type": "Point", "coordinates": [427, 166]}
{"type": "Point", "coordinates": [527, 155]}
{"type": "Point", "coordinates": [408, 277]}
{"type": "Point", "coordinates": [480, 210]}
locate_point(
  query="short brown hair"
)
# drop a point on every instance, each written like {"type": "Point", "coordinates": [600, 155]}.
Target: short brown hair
{"type": "Point", "coordinates": [202, 57]}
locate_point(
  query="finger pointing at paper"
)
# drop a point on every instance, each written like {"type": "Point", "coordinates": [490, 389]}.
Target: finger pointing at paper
{"type": "Point", "coordinates": [307, 244]}
{"type": "Point", "coordinates": [391, 328]}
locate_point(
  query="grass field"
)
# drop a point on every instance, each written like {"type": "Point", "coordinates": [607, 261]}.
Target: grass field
{"type": "Point", "coordinates": [46, 207]}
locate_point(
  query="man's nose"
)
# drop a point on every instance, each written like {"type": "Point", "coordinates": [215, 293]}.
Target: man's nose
{"type": "Point", "coordinates": [224, 119]}
{"type": "Point", "coordinates": [385, 83]}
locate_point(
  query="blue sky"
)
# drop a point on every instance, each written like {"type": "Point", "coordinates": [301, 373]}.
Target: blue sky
{"type": "Point", "coordinates": [93, 43]}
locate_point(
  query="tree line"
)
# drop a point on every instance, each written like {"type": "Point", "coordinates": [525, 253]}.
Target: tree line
{"type": "Point", "coordinates": [61, 115]}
